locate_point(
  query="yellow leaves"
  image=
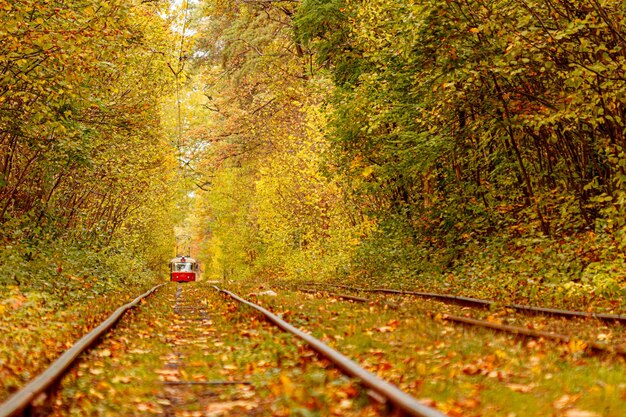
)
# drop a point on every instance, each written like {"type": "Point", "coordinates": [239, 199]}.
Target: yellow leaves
{"type": "Point", "coordinates": [168, 374]}
{"type": "Point", "coordinates": [287, 385]}
{"type": "Point", "coordinates": [487, 365]}
{"type": "Point", "coordinates": [385, 329]}
{"type": "Point", "coordinates": [421, 369]}
{"type": "Point", "coordinates": [521, 388]}
{"type": "Point", "coordinates": [471, 369]}
{"type": "Point", "coordinates": [574, 412]}
{"type": "Point", "coordinates": [565, 401]}
{"type": "Point", "coordinates": [148, 407]}
{"type": "Point", "coordinates": [493, 319]}
{"type": "Point", "coordinates": [500, 354]}
{"type": "Point", "coordinates": [121, 379]}
{"type": "Point", "coordinates": [227, 407]}
{"type": "Point", "coordinates": [89, 11]}
{"type": "Point", "coordinates": [104, 353]}
{"type": "Point", "coordinates": [17, 302]}
{"type": "Point", "coordinates": [97, 394]}
{"type": "Point", "coordinates": [576, 346]}
{"type": "Point", "coordinates": [367, 171]}
{"type": "Point", "coordinates": [389, 327]}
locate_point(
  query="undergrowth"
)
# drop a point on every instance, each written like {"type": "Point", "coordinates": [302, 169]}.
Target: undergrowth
{"type": "Point", "coordinates": [577, 271]}
{"type": "Point", "coordinates": [51, 294]}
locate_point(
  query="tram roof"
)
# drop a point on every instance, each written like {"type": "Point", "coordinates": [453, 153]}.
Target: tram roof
{"type": "Point", "coordinates": [187, 259]}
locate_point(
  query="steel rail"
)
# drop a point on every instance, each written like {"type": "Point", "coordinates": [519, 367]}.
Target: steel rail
{"type": "Point", "coordinates": [345, 297]}
{"type": "Point", "coordinates": [488, 303]}
{"type": "Point", "coordinates": [397, 397]}
{"type": "Point", "coordinates": [332, 294]}
{"type": "Point", "coordinates": [594, 346]}
{"type": "Point", "coordinates": [522, 331]}
{"type": "Point", "coordinates": [19, 401]}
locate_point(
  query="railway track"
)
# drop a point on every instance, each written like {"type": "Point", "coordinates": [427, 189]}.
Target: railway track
{"type": "Point", "coordinates": [408, 339]}
{"type": "Point", "coordinates": [22, 401]}
{"type": "Point", "coordinates": [481, 303]}
{"type": "Point", "coordinates": [518, 326]}
{"type": "Point", "coordinates": [200, 354]}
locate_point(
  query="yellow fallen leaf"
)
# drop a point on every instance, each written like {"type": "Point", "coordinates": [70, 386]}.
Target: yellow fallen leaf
{"type": "Point", "coordinates": [565, 401]}
{"type": "Point", "coordinates": [576, 345]}
{"type": "Point", "coordinates": [219, 409]}
{"type": "Point", "coordinates": [96, 394]}
{"type": "Point", "coordinates": [573, 412]}
{"type": "Point", "coordinates": [520, 387]}
{"type": "Point", "coordinates": [288, 385]}
{"type": "Point", "coordinates": [385, 329]}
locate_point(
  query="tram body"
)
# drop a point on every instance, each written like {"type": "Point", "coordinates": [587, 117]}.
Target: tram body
{"type": "Point", "coordinates": [183, 269]}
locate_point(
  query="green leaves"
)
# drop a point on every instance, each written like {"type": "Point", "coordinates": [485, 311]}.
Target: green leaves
{"type": "Point", "coordinates": [87, 177]}
{"type": "Point", "coordinates": [77, 90]}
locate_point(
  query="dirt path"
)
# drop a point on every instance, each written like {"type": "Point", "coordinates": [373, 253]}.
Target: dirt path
{"type": "Point", "coordinates": [187, 392]}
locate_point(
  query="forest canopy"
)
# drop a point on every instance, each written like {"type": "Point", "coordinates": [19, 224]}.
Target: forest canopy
{"type": "Point", "coordinates": [388, 141]}
{"type": "Point", "coordinates": [86, 170]}
{"type": "Point", "coordinates": [403, 139]}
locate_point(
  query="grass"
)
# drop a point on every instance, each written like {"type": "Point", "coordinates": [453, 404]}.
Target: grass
{"type": "Point", "coordinates": [461, 371]}
{"type": "Point", "coordinates": [124, 374]}
{"type": "Point", "coordinates": [464, 371]}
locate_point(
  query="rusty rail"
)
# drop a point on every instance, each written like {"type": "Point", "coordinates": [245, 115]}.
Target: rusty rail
{"type": "Point", "coordinates": [403, 401]}
{"type": "Point", "coordinates": [521, 331]}
{"type": "Point", "coordinates": [477, 302]}
{"type": "Point", "coordinates": [22, 399]}
{"type": "Point", "coordinates": [344, 296]}
{"type": "Point", "coordinates": [594, 346]}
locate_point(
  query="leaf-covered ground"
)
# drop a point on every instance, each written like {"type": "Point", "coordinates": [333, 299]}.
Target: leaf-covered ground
{"type": "Point", "coordinates": [173, 355]}
{"type": "Point", "coordinates": [36, 327]}
{"type": "Point", "coordinates": [465, 371]}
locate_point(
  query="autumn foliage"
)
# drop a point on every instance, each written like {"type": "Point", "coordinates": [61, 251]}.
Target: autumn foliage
{"type": "Point", "coordinates": [391, 141]}
{"type": "Point", "coordinates": [83, 168]}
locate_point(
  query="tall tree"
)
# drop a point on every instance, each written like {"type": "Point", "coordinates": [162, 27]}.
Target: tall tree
{"type": "Point", "coordinates": [82, 156]}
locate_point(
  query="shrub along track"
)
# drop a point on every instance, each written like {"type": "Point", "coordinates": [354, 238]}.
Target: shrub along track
{"type": "Point", "coordinates": [189, 351]}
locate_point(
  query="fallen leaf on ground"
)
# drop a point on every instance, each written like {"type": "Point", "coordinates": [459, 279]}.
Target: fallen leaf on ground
{"type": "Point", "coordinates": [520, 387]}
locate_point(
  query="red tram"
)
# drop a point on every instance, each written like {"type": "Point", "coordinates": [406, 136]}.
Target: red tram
{"type": "Point", "coordinates": [183, 269]}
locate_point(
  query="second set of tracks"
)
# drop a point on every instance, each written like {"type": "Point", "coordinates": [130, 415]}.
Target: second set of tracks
{"type": "Point", "coordinates": [509, 312]}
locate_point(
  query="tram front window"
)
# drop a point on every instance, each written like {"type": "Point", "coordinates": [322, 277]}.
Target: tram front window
{"type": "Point", "coordinates": [184, 267]}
